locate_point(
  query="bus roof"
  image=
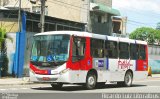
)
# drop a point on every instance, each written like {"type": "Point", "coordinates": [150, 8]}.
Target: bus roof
{"type": "Point", "coordinates": [76, 33]}
{"type": "Point", "coordinates": [92, 35]}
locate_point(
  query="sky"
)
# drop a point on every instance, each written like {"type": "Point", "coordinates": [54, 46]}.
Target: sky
{"type": "Point", "coordinates": [140, 13]}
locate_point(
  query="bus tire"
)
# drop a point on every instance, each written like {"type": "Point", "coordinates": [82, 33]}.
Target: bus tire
{"type": "Point", "coordinates": [128, 78]}
{"type": "Point", "coordinates": [91, 81]}
{"type": "Point", "coordinates": [57, 85]}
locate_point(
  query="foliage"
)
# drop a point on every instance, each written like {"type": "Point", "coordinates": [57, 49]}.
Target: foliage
{"type": "Point", "coordinates": [158, 26]}
{"type": "Point", "coordinates": [157, 36]}
{"type": "Point", "coordinates": [2, 34]}
{"type": "Point", "coordinates": [4, 67]}
{"type": "Point", "coordinates": [146, 34]}
{"type": "Point", "coordinates": [3, 51]}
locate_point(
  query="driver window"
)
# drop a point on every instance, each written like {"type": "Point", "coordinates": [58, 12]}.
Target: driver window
{"type": "Point", "coordinates": [78, 48]}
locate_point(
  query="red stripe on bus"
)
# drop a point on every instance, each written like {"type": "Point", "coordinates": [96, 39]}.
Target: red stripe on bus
{"type": "Point", "coordinates": [38, 71]}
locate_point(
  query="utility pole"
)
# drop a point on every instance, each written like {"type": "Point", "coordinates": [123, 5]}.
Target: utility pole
{"type": "Point", "coordinates": [42, 17]}
{"type": "Point", "coordinates": [0, 3]}
{"type": "Point", "coordinates": [88, 18]}
{"type": "Point", "coordinates": [42, 14]}
{"type": "Point", "coordinates": [19, 17]}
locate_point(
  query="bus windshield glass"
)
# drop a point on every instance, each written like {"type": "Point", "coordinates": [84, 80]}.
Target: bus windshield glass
{"type": "Point", "coordinates": [50, 48]}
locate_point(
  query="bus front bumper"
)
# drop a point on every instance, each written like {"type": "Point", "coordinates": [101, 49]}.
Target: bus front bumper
{"type": "Point", "coordinates": [68, 76]}
{"type": "Point", "coordinates": [49, 78]}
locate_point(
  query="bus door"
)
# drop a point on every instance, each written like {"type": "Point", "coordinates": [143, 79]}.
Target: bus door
{"type": "Point", "coordinates": [79, 53]}
{"type": "Point", "coordinates": [124, 62]}
{"type": "Point", "coordinates": [111, 53]}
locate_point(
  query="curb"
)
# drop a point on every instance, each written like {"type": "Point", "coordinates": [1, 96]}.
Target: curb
{"type": "Point", "coordinates": [17, 84]}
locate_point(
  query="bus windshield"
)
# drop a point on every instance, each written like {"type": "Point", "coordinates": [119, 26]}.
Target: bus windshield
{"type": "Point", "coordinates": [50, 48]}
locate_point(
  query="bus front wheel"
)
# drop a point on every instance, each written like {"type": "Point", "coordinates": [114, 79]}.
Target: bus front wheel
{"type": "Point", "coordinates": [91, 81]}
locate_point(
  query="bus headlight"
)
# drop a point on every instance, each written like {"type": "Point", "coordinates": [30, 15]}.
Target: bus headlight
{"type": "Point", "coordinates": [64, 71]}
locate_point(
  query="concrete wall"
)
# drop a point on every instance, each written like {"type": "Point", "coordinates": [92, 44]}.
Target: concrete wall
{"type": "Point", "coordinates": [15, 3]}
{"type": "Point", "coordinates": [106, 2]}
{"type": "Point", "coordinates": [11, 47]}
{"type": "Point", "coordinates": [10, 24]}
{"type": "Point", "coordinates": [67, 9]}
{"type": "Point", "coordinates": [73, 10]}
{"type": "Point", "coordinates": [154, 58]}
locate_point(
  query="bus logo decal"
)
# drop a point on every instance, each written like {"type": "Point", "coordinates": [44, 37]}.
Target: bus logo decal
{"type": "Point", "coordinates": [100, 63]}
{"type": "Point", "coordinates": [49, 58]}
{"type": "Point", "coordinates": [124, 64]}
{"type": "Point", "coordinates": [89, 62]}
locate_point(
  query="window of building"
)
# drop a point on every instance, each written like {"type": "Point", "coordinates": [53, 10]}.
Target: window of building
{"type": "Point", "coordinates": [123, 50]}
{"type": "Point", "coordinates": [133, 51]}
{"type": "Point", "coordinates": [105, 18]}
{"type": "Point", "coordinates": [97, 48]}
{"type": "Point", "coordinates": [78, 48]}
{"type": "Point", "coordinates": [111, 49]}
{"type": "Point", "coordinates": [99, 19]}
{"type": "Point", "coordinates": [142, 52]}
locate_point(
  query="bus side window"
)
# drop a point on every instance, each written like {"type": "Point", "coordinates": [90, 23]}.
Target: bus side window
{"type": "Point", "coordinates": [123, 50]}
{"type": "Point", "coordinates": [78, 48]}
{"type": "Point", "coordinates": [133, 51]}
{"type": "Point", "coordinates": [111, 49]}
{"type": "Point", "coordinates": [97, 48]}
{"type": "Point", "coordinates": [142, 52]}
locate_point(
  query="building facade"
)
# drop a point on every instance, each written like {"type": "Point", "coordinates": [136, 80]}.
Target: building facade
{"type": "Point", "coordinates": [119, 25]}
{"type": "Point", "coordinates": [96, 14]}
{"type": "Point", "coordinates": [66, 9]}
{"type": "Point", "coordinates": [101, 13]}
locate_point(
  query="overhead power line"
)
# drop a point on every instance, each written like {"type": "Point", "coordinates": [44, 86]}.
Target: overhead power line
{"type": "Point", "coordinates": [141, 13]}
{"type": "Point", "coordinates": [140, 22]}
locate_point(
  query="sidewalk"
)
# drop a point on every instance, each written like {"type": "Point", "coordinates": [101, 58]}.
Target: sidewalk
{"type": "Point", "coordinates": [156, 75]}
{"type": "Point", "coordinates": [15, 81]}
{"type": "Point", "coordinates": [25, 80]}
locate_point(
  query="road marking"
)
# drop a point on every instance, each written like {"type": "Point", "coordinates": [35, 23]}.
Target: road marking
{"type": "Point", "coordinates": [14, 89]}
{"type": "Point", "coordinates": [147, 81]}
{"type": "Point", "coordinates": [3, 89]}
{"type": "Point", "coordinates": [24, 88]}
{"type": "Point", "coordinates": [153, 86]}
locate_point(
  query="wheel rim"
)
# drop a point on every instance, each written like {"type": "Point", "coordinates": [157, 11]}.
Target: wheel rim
{"type": "Point", "coordinates": [128, 79]}
{"type": "Point", "coordinates": [91, 81]}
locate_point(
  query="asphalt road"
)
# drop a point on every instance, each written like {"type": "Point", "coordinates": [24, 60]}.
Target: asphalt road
{"type": "Point", "coordinates": [40, 91]}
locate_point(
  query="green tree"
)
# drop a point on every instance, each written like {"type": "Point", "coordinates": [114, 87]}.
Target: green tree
{"type": "Point", "coordinates": [3, 51]}
{"type": "Point", "coordinates": [157, 36]}
{"type": "Point", "coordinates": [145, 34]}
{"type": "Point", "coordinates": [158, 26]}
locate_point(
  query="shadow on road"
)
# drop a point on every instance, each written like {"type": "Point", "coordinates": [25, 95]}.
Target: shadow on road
{"type": "Point", "coordinates": [81, 88]}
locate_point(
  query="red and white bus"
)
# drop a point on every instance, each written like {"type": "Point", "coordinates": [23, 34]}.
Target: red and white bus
{"type": "Point", "coordinates": [62, 57]}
